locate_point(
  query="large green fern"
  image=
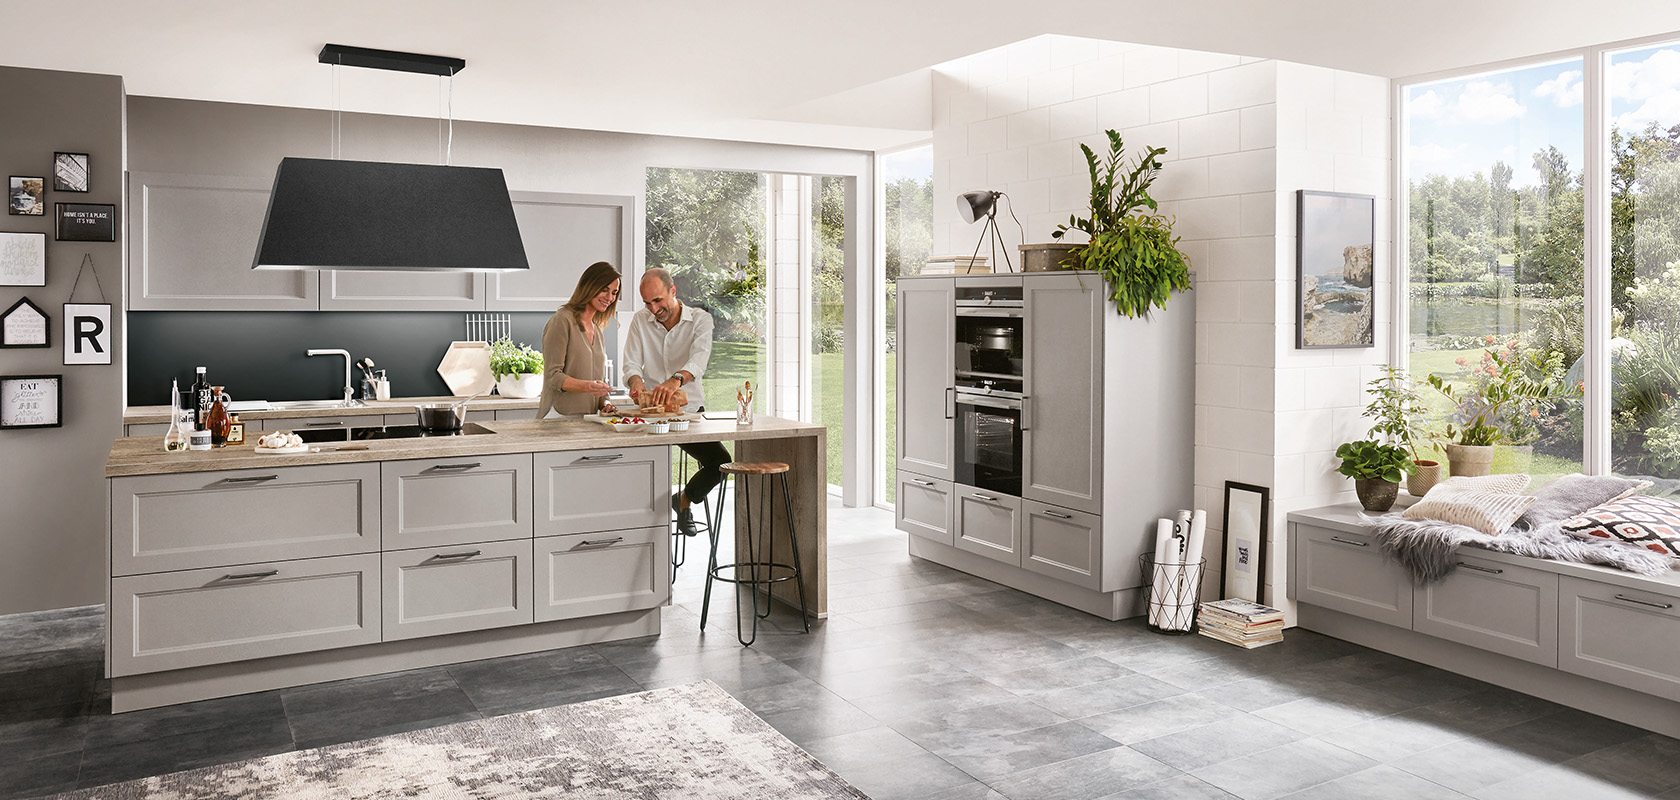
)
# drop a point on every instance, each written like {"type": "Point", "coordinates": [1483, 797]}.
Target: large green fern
{"type": "Point", "coordinates": [1133, 249]}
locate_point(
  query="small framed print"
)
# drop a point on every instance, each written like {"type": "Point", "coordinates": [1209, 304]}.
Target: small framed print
{"type": "Point", "coordinates": [26, 196]}
{"type": "Point", "coordinates": [86, 222]}
{"type": "Point", "coordinates": [25, 325]}
{"type": "Point", "coordinates": [70, 172]}
{"type": "Point", "coordinates": [1247, 508]}
{"type": "Point", "coordinates": [23, 259]}
{"type": "Point", "coordinates": [31, 401]}
{"type": "Point", "coordinates": [87, 333]}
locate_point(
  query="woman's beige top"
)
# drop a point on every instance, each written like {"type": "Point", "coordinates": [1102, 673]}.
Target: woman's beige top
{"type": "Point", "coordinates": [568, 353]}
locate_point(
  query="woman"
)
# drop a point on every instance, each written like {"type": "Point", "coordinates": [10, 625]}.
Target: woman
{"type": "Point", "coordinates": [574, 356]}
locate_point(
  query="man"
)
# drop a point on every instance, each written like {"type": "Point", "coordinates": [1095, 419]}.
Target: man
{"type": "Point", "coordinates": [666, 349]}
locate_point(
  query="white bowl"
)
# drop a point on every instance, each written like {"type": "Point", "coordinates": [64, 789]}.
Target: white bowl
{"type": "Point", "coordinates": [679, 425]}
{"type": "Point", "coordinates": [658, 427]}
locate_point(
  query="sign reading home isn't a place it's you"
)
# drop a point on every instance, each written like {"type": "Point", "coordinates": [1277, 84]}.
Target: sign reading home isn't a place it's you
{"type": "Point", "coordinates": [86, 222]}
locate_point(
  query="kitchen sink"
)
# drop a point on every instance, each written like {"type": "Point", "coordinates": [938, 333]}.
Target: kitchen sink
{"type": "Point", "coordinates": [307, 405]}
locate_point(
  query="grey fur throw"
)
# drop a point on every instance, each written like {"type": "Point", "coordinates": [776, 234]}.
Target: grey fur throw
{"type": "Point", "coordinates": [1426, 548]}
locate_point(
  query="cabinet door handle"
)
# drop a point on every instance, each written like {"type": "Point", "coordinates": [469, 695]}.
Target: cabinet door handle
{"type": "Point", "coordinates": [323, 425]}
{"type": "Point", "coordinates": [1488, 570]}
{"type": "Point", "coordinates": [1058, 515]}
{"type": "Point", "coordinates": [613, 457]}
{"type": "Point", "coordinates": [248, 575]}
{"type": "Point", "coordinates": [1026, 413]}
{"type": "Point", "coordinates": [454, 556]}
{"type": "Point", "coordinates": [1349, 541]}
{"type": "Point", "coordinates": [594, 542]}
{"type": "Point", "coordinates": [251, 479]}
{"type": "Point", "coordinates": [950, 402]}
{"type": "Point", "coordinates": [987, 498]}
{"type": "Point", "coordinates": [1625, 598]}
{"type": "Point", "coordinates": [474, 465]}
{"type": "Point", "coordinates": [928, 484]}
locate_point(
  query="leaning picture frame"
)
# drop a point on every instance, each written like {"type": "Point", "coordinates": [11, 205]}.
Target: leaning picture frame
{"type": "Point", "coordinates": [1243, 571]}
{"type": "Point", "coordinates": [31, 401]}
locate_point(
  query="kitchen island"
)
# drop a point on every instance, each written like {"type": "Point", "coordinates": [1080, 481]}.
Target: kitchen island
{"type": "Point", "coordinates": [234, 571]}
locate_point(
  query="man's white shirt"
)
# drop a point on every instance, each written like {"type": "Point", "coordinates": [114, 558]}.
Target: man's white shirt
{"type": "Point", "coordinates": [656, 354]}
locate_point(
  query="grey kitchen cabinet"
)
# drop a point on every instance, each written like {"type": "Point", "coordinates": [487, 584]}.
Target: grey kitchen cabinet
{"type": "Point", "coordinates": [988, 524]}
{"type": "Point", "coordinates": [1346, 572]}
{"type": "Point", "coordinates": [926, 508]}
{"type": "Point", "coordinates": [926, 376]}
{"type": "Point", "coordinates": [1062, 543]}
{"type": "Point", "coordinates": [433, 591]}
{"type": "Point", "coordinates": [585, 491]}
{"type": "Point", "coordinates": [146, 429]}
{"type": "Point", "coordinates": [202, 519]}
{"type": "Point", "coordinates": [391, 290]}
{"type": "Point", "coordinates": [304, 423]}
{"type": "Point", "coordinates": [586, 574]}
{"type": "Point", "coordinates": [1492, 605]}
{"type": "Point", "coordinates": [1061, 417]}
{"type": "Point", "coordinates": [515, 413]}
{"type": "Point", "coordinates": [191, 241]}
{"type": "Point", "coordinates": [174, 620]}
{"type": "Point", "coordinates": [455, 501]}
{"type": "Point", "coordinates": [563, 233]}
{"type": "Point", "coordinates": [1627, 637]}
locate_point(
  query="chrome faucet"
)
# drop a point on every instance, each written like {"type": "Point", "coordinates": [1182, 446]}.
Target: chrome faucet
{"type": "Point", "coordinates": [348, 391]}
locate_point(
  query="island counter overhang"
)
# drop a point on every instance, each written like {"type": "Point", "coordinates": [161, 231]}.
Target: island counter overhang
{"type": "Point", "coordinates": [133, 461]}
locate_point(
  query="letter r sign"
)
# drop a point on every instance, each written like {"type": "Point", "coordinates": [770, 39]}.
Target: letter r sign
{"type": "Point", "coordinates": [87, 333]}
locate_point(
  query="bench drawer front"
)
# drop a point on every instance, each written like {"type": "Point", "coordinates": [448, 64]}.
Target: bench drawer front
{"type": "Point", "coordinates": [213, 616]}
{"type": "Point", "coordinates": [924, 508]}
{"type": "Point", "coordinates": [1493, 606]}
{"type": "Point", "coordinates": [1622, 636]}
{"type": "Point", "coordinates": [443, 502]}
{"type": "Point", "coordinates": [1345, 572]}
{"type": "Point", "coordinates": [602, 573]}
{"type": "Point", "coordinates": [452, 589]}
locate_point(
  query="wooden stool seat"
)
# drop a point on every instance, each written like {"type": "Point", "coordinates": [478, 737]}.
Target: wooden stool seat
{"type": "Point", "coordinates": [753, 468]}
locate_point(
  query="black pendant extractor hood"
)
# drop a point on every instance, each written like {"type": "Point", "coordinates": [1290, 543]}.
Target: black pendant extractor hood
{"type": "Point", "coordinates": [367, 215]}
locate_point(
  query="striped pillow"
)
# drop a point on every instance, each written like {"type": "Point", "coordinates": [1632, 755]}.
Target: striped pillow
{"type": "Point", "coordinates": [1488, 503]}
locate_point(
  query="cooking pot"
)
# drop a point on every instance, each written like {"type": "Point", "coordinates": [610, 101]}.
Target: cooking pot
{"type": "Point", "coordinates": [1000, 337]}
{"type": "Point", "coordinates": [444, 416]}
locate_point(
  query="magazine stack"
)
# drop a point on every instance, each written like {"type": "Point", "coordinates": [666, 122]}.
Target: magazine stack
{"type": "Point", "coordinates": [955, 265]}
{"type": "Point", "coordinates": [1241, 623]}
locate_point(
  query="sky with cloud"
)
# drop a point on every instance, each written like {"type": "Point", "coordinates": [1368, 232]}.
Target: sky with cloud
{"type": "Point", "coordinates": [1462, 126]}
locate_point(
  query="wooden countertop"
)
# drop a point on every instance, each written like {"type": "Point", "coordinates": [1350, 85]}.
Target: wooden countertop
{"type": "Point", "coordinates": [144, 455]}
{"type": "Point", "coordinates": [140, 415]}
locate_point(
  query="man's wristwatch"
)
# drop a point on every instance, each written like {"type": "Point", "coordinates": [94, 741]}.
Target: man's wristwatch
{"type": "Point", "coordinates": [681, 381]}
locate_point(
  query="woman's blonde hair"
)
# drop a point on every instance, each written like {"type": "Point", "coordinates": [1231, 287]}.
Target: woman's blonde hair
{"type": "Point", "coordinates": [594, 280]}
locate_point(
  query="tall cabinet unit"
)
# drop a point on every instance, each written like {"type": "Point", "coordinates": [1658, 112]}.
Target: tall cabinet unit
{"type": "Point", "coordinates": [1106, 439]}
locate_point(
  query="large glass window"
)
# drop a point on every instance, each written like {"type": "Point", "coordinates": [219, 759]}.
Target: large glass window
{"type": "Point", "coordinates": [826, 367]}
{"type": "Point", "coordinates": [908, 218]}
{"type": "Point", "coordinates": [1644, 152]}
{"type": "Point", "coordinates": [1495, 253]}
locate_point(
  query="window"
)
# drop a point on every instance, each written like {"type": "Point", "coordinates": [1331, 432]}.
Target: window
{"type": "Point", "coordinates": [908, 218]}
{"type": "Point", "coordinates": [825, 369]}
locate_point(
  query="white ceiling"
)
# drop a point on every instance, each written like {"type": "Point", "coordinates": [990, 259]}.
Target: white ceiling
{"type": "Point", "coordinates": [846, 73]}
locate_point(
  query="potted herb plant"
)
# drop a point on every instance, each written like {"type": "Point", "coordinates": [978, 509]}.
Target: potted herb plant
{"type": "Point", "coordinates": [1131, 245]}
{"type": "Point", "coordinates": [518, 370]}
{"type": "Point", "coordinates": [1376, 470]}
{"type": "Point", "coordinates": [1397, 412]}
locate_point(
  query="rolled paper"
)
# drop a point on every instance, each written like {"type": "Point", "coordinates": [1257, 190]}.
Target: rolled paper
{"type": "Point", "coordinates": [1164, 553]}
{"type": "Point", "coordinates": [1193, 556]}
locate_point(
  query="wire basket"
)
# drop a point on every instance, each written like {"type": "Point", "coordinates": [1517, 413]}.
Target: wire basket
{"type": "Point", "coordinates": [1172, 591]}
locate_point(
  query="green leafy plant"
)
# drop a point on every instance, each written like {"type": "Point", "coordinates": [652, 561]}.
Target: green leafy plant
{"type": "Point", "coordinates": [1131, 245]}
{"type": "Point", "coordinates": [506, 359]}
{"type": "Point", "coordinates": [1366, 459]}
{"type": "Point", "coordinates": [1398, 411]}
{"type": "Point", "coordinates": [1505, 393]}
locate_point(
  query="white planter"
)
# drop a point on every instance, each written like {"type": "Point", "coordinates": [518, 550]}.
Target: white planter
{"type": "Point", "coordinates": [523, 385]}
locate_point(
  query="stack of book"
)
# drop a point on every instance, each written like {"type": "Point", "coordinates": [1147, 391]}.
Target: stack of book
{"type": "Point", "coordinates": [1241, 623]}
{"type": "Point", "coordinates": [955, 265]}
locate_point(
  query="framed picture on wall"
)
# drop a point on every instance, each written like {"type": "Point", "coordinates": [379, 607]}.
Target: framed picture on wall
{"type": "Point", "coordinates": [26, 196]}
{"type": "Point", "coordinates": [25, 325]}
{"type": "Point", "coordinates": [23, 259]}
{"type": "Point", "coordinates": [1247, 509]}
{"type": "Point", "coordinates": [70, 172]}
{"type": "Point", "coordinates": [1335, 270]}
{"type": "Point", "coordinates": [86, 222]}
{"type": "Point", "coordinates": [87, 333]}
{"type": "Point", "coordinates": [31, 401]}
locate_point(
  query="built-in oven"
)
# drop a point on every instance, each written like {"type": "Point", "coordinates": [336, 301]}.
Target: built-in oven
{"type": "Point", "coordinates": [990, 331]}
{"type": "Point", "coordinates": [988, 434]}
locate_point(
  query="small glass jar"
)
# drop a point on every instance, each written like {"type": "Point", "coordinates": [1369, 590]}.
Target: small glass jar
{"type": "Point", "coordinates": [199, 438]}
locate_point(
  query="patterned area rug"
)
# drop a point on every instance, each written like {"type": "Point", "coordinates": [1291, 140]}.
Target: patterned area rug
{"type": "Point", "coordinates": [691, 741]}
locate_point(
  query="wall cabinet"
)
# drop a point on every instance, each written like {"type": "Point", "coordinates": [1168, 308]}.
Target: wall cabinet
{"type": "Point", "coordinates": [563, 233]}
{"type": "Point", "coordinates": [1061, 418]}
{"type": "Point", "coordinates": [384, 290]}
{"type": "Point", "coordinates": [926, 376]}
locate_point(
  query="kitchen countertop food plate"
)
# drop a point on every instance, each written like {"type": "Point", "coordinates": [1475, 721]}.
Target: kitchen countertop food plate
{"type": "Point", "coordinates": [302, 448]}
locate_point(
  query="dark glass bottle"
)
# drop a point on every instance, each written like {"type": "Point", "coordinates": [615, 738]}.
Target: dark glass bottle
{"type": "Point", "coordinates": [201, 399]}
{"type": "Point", "coordinates": [217, 420]}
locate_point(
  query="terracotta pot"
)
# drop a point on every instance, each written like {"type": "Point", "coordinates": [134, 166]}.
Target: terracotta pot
{"type": "Point", "coordinates": [1376, 494]}
{"type": "Point", "coordinates": [1470, 460]}
{"type": "Point", "coordinates": [1428, 474]}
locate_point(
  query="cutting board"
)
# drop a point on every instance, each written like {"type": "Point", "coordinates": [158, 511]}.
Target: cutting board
{"type": "Point", "coordinates": [466, 368]}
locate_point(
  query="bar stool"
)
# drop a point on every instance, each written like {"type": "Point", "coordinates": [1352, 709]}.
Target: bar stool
{"type": "Point", "coordinates": [764, 571]}
{"type": "Point", "coordinates": [702, 524]}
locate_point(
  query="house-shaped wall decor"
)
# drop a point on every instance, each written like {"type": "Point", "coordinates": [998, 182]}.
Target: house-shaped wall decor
{"type": "Point", "coordinates": [25, 325]}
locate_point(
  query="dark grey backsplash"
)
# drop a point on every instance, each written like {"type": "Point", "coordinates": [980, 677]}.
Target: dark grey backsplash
{"type": "Point", "coordinates": [259, 355]}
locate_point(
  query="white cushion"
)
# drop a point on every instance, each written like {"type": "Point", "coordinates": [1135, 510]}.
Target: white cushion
{"type": "Point", "coordinates": [1489, 503]}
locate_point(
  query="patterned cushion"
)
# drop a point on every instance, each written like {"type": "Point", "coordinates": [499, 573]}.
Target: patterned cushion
{"type": "Point", "coordinates": [1488, 503]}
{"type": "Point", "coordinates": [1649, 522]}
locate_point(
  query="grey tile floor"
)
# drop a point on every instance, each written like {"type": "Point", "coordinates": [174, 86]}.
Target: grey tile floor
{"type": "Point", "coordinates": [924, 683]}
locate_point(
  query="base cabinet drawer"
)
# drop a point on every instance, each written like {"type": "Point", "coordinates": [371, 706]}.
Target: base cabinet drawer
{"type": "Point", "coordinates": [201, 519]}
{"type": "Point", "coordinates": [1622, 636]}
{"type": "Point", "coordinates": [442, 502]}
{"type": "Point", "coordinates": [1062, 543]}
{"type": "Point", "coordinates": [185, 619]}
{"type": "Point", "coordinates": [583, 491]}
{"type": "Point", "coordinates": [305, 423]}
{"type": "Point", "coordinates": [988, 524]}
{"type": "Point", "coordinates": [434, 591]}
{"type": "Point", "coordinates": [583, 575]}
{"type": "Point", "coordinates": [1345, 572]}
{"type": "Point", "coordinates": [925, 508]}
{"type": "Point", "coordinates": [1493, 606]}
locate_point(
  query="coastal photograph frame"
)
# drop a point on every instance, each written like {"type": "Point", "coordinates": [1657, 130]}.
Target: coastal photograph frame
{"type": "Point", "coordinates": [31, 401]}
{"type": "Point", "coordinates": [26, 196]}
{"type": "Point", "coordinates": [71, 173]}
{"type": "Point", "coordinates": [1335, 270]}
{"type": "Point", "coordinates": [1246, 523]}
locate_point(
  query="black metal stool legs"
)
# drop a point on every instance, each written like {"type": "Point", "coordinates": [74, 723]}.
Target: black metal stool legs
{"type": "Point", "coordinates": [713, 526]}
{"type": "Point", "coordinates": [793, 542]}
{"type": "Point", "coordinates": [755, 566]}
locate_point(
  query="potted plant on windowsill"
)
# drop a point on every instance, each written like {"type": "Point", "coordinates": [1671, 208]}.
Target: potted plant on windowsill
{"type": "Point", "coordinates": [1376, 470]}
{"type": "Point", "coordinates": [1503, 388]}
{"type": "Point", "coordinates": [1130, 244]}
{"type": "Point", "coordinates": [1397, 411]}
{"type": "Point", "coordinates": [518, 370]}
